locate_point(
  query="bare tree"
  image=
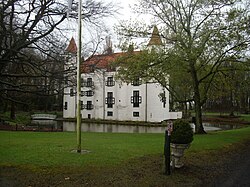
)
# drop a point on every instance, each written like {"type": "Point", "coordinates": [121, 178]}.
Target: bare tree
{"type": "Point", "coordinates": [31, 38]}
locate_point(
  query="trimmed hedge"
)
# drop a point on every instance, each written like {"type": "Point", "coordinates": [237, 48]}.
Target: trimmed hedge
{"type": "Point", "coordinates": [182, 132]}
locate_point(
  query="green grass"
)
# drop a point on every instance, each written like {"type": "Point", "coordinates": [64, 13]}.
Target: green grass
{"type": "Point", "coordinates": [245, 117]}
{"type": "Point", "coordinates": [21, 118]}
{"type": "Point", "coordinates": [54, 149]}
{"type": "Point", "coordinates": [219, 139]}
{"type": "Point", "coordinates": [36, 149]}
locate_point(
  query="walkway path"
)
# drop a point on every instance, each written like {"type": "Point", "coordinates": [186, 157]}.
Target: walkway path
{"type": "Point", "coordinates": [237, 171]}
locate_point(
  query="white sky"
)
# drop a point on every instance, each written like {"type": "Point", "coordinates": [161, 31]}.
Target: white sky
{"type": "Point", "coordinates": [124, 13]}
{"type": "Point", "coordinates": [126, 8]}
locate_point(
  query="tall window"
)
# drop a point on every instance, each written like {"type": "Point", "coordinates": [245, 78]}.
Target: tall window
{"type": "Point", "coordinates": [164, 99]}
{"type": "Point", "coordinates": [71, 93]}
{"type": "Point", "coordinates": [66, 106]}
{"type": "Point", "coordinates": [110, 81]}
{"type": "Point", "coordinates": [82, 106]}
{"type": "Point", "coordinates": [89, 105]}
{"type": "Point", "coordinates": [110, 100]}
{"type": "Point", "coordinates": [136, 99]}
{"type": "Point", "coordinates": [89, 82]}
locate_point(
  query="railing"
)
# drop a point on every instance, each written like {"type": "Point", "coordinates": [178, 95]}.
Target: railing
{"type": "Point", "coordinates": [43, 116]}
{"type": "Point", "coordinates": [136, 82]}
{"type": "Point", "coordinates": [110, 83]}
{"type": "Point", "coordinates": [87, 93]}
{"type": "Point", "coordinates": [136, 99]}
{"type": "Point", "coordinates": [87, 107]}
{"type": "Point", "coordinates": [110, 100]}
{"type": "Point", "coordinates": [87, 84]}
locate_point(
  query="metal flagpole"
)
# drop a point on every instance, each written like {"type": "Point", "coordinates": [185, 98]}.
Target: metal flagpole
{"type": "Point", "coordinates": [78, 119]}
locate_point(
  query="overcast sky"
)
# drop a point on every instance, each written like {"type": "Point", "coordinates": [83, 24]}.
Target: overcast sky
{"type": "Point", "coordinates": [124, 13]}
{"type": "Point", "coordinates": [124, 4]}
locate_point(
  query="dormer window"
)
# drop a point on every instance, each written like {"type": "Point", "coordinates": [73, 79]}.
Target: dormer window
{"type": "Point", "coordinates": [88, 83]}
{"type": "Point", "coordinates": [110, 81]}
{"type": "Point", "coordinates": [136, 82]}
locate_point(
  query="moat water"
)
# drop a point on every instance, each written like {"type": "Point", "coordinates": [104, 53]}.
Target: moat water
{"type": "Point", "coordinates": [115, 128]}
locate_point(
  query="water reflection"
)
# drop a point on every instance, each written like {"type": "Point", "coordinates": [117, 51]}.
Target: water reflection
{"type": "Point", "coordinates": [221, 126]}
{"type": "Point", "coordinates": [52, 125]}
{"type": "Point", "coordinates": [45, 125]}
{"type": "Point", "coordinates": [43, 122]}
{"type": "Point", "coordinates": [215, 127]}
{"type": "Point", "coordinates": [92, 127]}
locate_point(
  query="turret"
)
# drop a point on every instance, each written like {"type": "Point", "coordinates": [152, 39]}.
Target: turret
{"type": "Point", "coordinates": [72, 48]}
{"type": "Point", "coordinates": [155, 40]}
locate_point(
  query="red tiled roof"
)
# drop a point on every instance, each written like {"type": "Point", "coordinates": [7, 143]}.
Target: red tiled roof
{"type": "Point", "coordinates": [72, 48]}
{"type": "Point", "coordinates": [99, 62]}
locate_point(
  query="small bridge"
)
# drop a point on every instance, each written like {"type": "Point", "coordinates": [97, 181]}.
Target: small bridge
{"type": "Point", "coordinates": [43, 117]}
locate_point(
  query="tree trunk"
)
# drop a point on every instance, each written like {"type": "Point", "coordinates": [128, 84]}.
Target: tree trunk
{"type": "Point", "coordinates": [185, 107]}
{"type": "Point", "coordinates": [199, 129]}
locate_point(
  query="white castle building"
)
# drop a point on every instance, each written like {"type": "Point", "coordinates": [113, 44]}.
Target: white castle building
{"type": "Point", "coordinates": [103, 97]}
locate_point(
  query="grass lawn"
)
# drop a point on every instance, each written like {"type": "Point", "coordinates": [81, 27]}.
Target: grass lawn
{"type": "Point", "coordinates": [36, 149]}
{"type": "Point", "coordinates": [54, 149]}
{"type": "Point", "coordinates": [21, 118]}
{"type": "Point", "coordinates": [245, 117]}
{"type": "Point", "coordinates": [116, 159]}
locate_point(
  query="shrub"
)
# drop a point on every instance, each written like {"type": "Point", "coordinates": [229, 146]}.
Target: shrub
{"type": "Point", "coordinates": [182, 132]}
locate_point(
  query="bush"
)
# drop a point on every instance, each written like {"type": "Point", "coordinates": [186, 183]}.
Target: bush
{"type": "Point", "coordinates": [182, 132]}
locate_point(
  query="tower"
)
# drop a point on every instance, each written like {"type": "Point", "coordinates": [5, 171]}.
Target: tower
{"type": "Point", "coordinates": [155, 41]}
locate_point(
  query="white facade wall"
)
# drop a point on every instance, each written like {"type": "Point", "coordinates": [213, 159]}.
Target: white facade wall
{"type": "Point", "coordinates": [69, 110]}
{"type": "Point", "coordinates": [69, 101]}
{"type": "Point", "coordinates": [151, 108]}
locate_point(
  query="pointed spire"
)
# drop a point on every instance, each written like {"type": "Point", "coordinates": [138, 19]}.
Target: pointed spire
{"type": "Point", "coordinates": [72, 48]}
{"type": "Point", "coordinates": [108, 48]}
{"type": "Point", "coordinates": [155, 38]}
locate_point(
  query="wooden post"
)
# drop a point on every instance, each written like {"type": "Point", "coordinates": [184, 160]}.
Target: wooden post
{"type": "Point", "coordinates": [167, 153]}
{"type": "Point", "coordinates": [167, 147]}
{"type": "Point", "coordinates": [79, 117]}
